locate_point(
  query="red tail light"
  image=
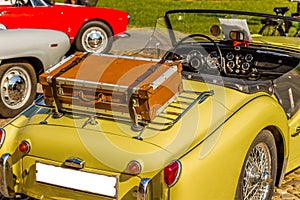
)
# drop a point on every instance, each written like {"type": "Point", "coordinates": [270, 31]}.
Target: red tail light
{"type": "Point", "coordinates": [2, 136]}
{"type": "Point", "coordinates": [24, 146]}
{"type": "Point", "coordinates": [172, 172]}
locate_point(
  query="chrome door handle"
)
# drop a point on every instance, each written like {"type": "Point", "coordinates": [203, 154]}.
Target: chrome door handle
{"type": "Point", "coordinates": [297, 132]}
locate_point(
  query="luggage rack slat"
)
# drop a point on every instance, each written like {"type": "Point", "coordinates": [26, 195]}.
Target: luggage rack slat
{"type": "Point", "coordinates": [202, 96]}
{"type": "Point", "coordinates": [123, 116]}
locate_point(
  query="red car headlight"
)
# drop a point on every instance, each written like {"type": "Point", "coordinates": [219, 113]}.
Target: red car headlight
{"type": "Point", "coordinates": [172, 172]}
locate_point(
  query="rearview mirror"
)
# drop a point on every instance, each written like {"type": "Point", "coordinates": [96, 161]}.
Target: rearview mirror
{"type": "Point", "coordinates": [215, 30]}
{"type": "Point", "coordinates": [236, 35]}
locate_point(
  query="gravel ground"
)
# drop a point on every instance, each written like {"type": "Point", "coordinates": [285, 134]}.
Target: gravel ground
{"type": "Point", "coordinates": [290, 188]}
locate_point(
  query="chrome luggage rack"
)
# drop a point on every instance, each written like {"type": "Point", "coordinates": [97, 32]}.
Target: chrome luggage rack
{"type": "Point", "coordinates": [140, 124]}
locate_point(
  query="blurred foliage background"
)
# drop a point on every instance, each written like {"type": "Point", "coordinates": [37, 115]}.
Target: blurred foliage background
{"type": "Point", "coordinates": [144, 12]}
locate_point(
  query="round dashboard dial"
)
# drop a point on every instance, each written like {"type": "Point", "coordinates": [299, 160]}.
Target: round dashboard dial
{"type": "Point", "coordinates": [230, 65]}
{"type": "Point", "coordinates": [230, 56]}
{"type": "Point", "coordinates": [245, 66]}
{"type": "Point", "coordinates": [248, 58]}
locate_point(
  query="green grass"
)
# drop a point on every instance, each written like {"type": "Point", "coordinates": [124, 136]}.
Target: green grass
{"type": "Point", "coordinates": [144, 12]}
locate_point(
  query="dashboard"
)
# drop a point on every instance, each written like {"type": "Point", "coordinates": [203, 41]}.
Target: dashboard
{"type": "Point", "coordinates": [250, 62]}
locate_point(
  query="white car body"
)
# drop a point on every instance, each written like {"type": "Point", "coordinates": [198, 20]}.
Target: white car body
{"type": "Point", "coordinates": [24, 54]}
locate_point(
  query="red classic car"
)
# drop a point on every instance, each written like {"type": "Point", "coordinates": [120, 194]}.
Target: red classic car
{"type": "Point", "coordinates": [90, 29]}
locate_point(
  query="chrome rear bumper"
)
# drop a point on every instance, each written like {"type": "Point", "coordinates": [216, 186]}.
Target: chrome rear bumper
{"type": "Point", "coordinates": [144, 189]}
{"type": "Point", "coordinates": [7, 181]}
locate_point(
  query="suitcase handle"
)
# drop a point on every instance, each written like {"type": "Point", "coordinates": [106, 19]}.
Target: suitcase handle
{"type": "Point", "coordinates": [100, 97]}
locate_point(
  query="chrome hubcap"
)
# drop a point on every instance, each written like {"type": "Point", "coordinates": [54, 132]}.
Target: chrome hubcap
{"type": "Point", "coordinates": [257, 173]}
{"type": "Point", "coordinates": [95, 40]}
{"type": "Point", "coordinates": [16, 87]}
{"type": "Point", "coordinates": [15, 90]}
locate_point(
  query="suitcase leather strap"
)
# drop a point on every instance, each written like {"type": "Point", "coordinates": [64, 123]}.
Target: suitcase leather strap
{"type": "Point", "coordinates": [132, 102]}
{"type": "Point", "coordinates": [63, 70]}
{"type": "Point", "coordinates": [142, 78]}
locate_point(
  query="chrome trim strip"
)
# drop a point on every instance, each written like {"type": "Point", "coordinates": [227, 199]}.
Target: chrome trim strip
{"type": "Point", "coordinates": [39, 102]}
{"type": "Point", "coordinates": [178, 173]}
{"type": "Point", "coordinates": [272, 53]}
{"type": "Point", "coordinates": [90, 84]}
{"type": "Point", "coordinates": [162, 108]}
{"type": "Point", "coordinates": [201, 98]}
{"type": "Point", "coordinates": [128, 57]}
{"type": "Point", "coordinates": [291, 97]}
{"type": "Point", "coordinates": [143, 189]}
{"type": "Point", "coordinates": [96, 111]}
{"type": "Point", "coordinates": [7, 181]}
{"type": "Point", "coordinates": [59, 63]}
{"type": "Point", "coordinates": [167, 74]}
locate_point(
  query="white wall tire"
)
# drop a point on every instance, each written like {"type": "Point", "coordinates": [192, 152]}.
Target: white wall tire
{"type": "Point", "coordinates": [94, 36]}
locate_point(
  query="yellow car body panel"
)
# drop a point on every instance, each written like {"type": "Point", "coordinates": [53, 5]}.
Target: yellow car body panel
{"type": "Point", "coordinates": [294, 147]}
{"type": "Point", "coordinates": [199, 159]}
{"type": "Point", "coordinates": [207, 164]}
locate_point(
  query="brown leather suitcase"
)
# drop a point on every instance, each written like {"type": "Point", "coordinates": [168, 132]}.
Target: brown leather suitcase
{"type": "Point", "coordinates": [93, 83]}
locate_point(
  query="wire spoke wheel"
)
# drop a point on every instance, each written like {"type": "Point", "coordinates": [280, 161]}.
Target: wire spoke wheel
{"type": "Point", "coordinates": [258, 175]}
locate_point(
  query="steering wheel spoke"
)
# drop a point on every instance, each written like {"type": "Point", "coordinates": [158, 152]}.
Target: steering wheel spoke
{"type": "Point", "coordinates": [198, 59]}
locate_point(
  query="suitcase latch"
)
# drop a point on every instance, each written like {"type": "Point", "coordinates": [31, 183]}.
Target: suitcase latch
{"type": "Point", "coordinates": [136, 126]}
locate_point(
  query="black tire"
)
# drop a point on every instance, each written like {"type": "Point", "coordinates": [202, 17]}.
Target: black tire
{"type": "Point", "coordinates": [259, 169]}
{"type": "Point", "coordinates": [94, 36]}
{"type": "Point", "coordinates": [271, 30]}
{"type": "Point", "coordinates": [18, 85]}
{"type": "Point", "coordinates": [19, 197]}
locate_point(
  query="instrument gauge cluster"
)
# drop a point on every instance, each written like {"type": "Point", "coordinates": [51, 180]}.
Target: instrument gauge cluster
{"type": "Point", "coordinates": [238, 63]}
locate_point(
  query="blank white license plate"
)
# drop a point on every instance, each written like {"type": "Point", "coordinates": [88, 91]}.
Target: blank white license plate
{"type": "Point", "coordinates": [79, 180]}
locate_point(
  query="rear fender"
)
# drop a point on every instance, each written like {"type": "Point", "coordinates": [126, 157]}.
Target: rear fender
{"type": "Point", "coordinates": [213, 166]}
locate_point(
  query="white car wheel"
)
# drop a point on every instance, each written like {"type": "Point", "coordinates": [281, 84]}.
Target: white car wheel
{"type": "Point", "coordinates": [94, 37]}
{"type": "Point", "coordinates": [18, 87]}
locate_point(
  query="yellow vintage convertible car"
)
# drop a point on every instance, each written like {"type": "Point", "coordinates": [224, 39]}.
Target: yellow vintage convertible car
{"type": "Point", "coordinates": [231, 130]}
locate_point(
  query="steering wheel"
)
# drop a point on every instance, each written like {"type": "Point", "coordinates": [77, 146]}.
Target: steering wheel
{"type": "Point", "coordinates": [198, 60]}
